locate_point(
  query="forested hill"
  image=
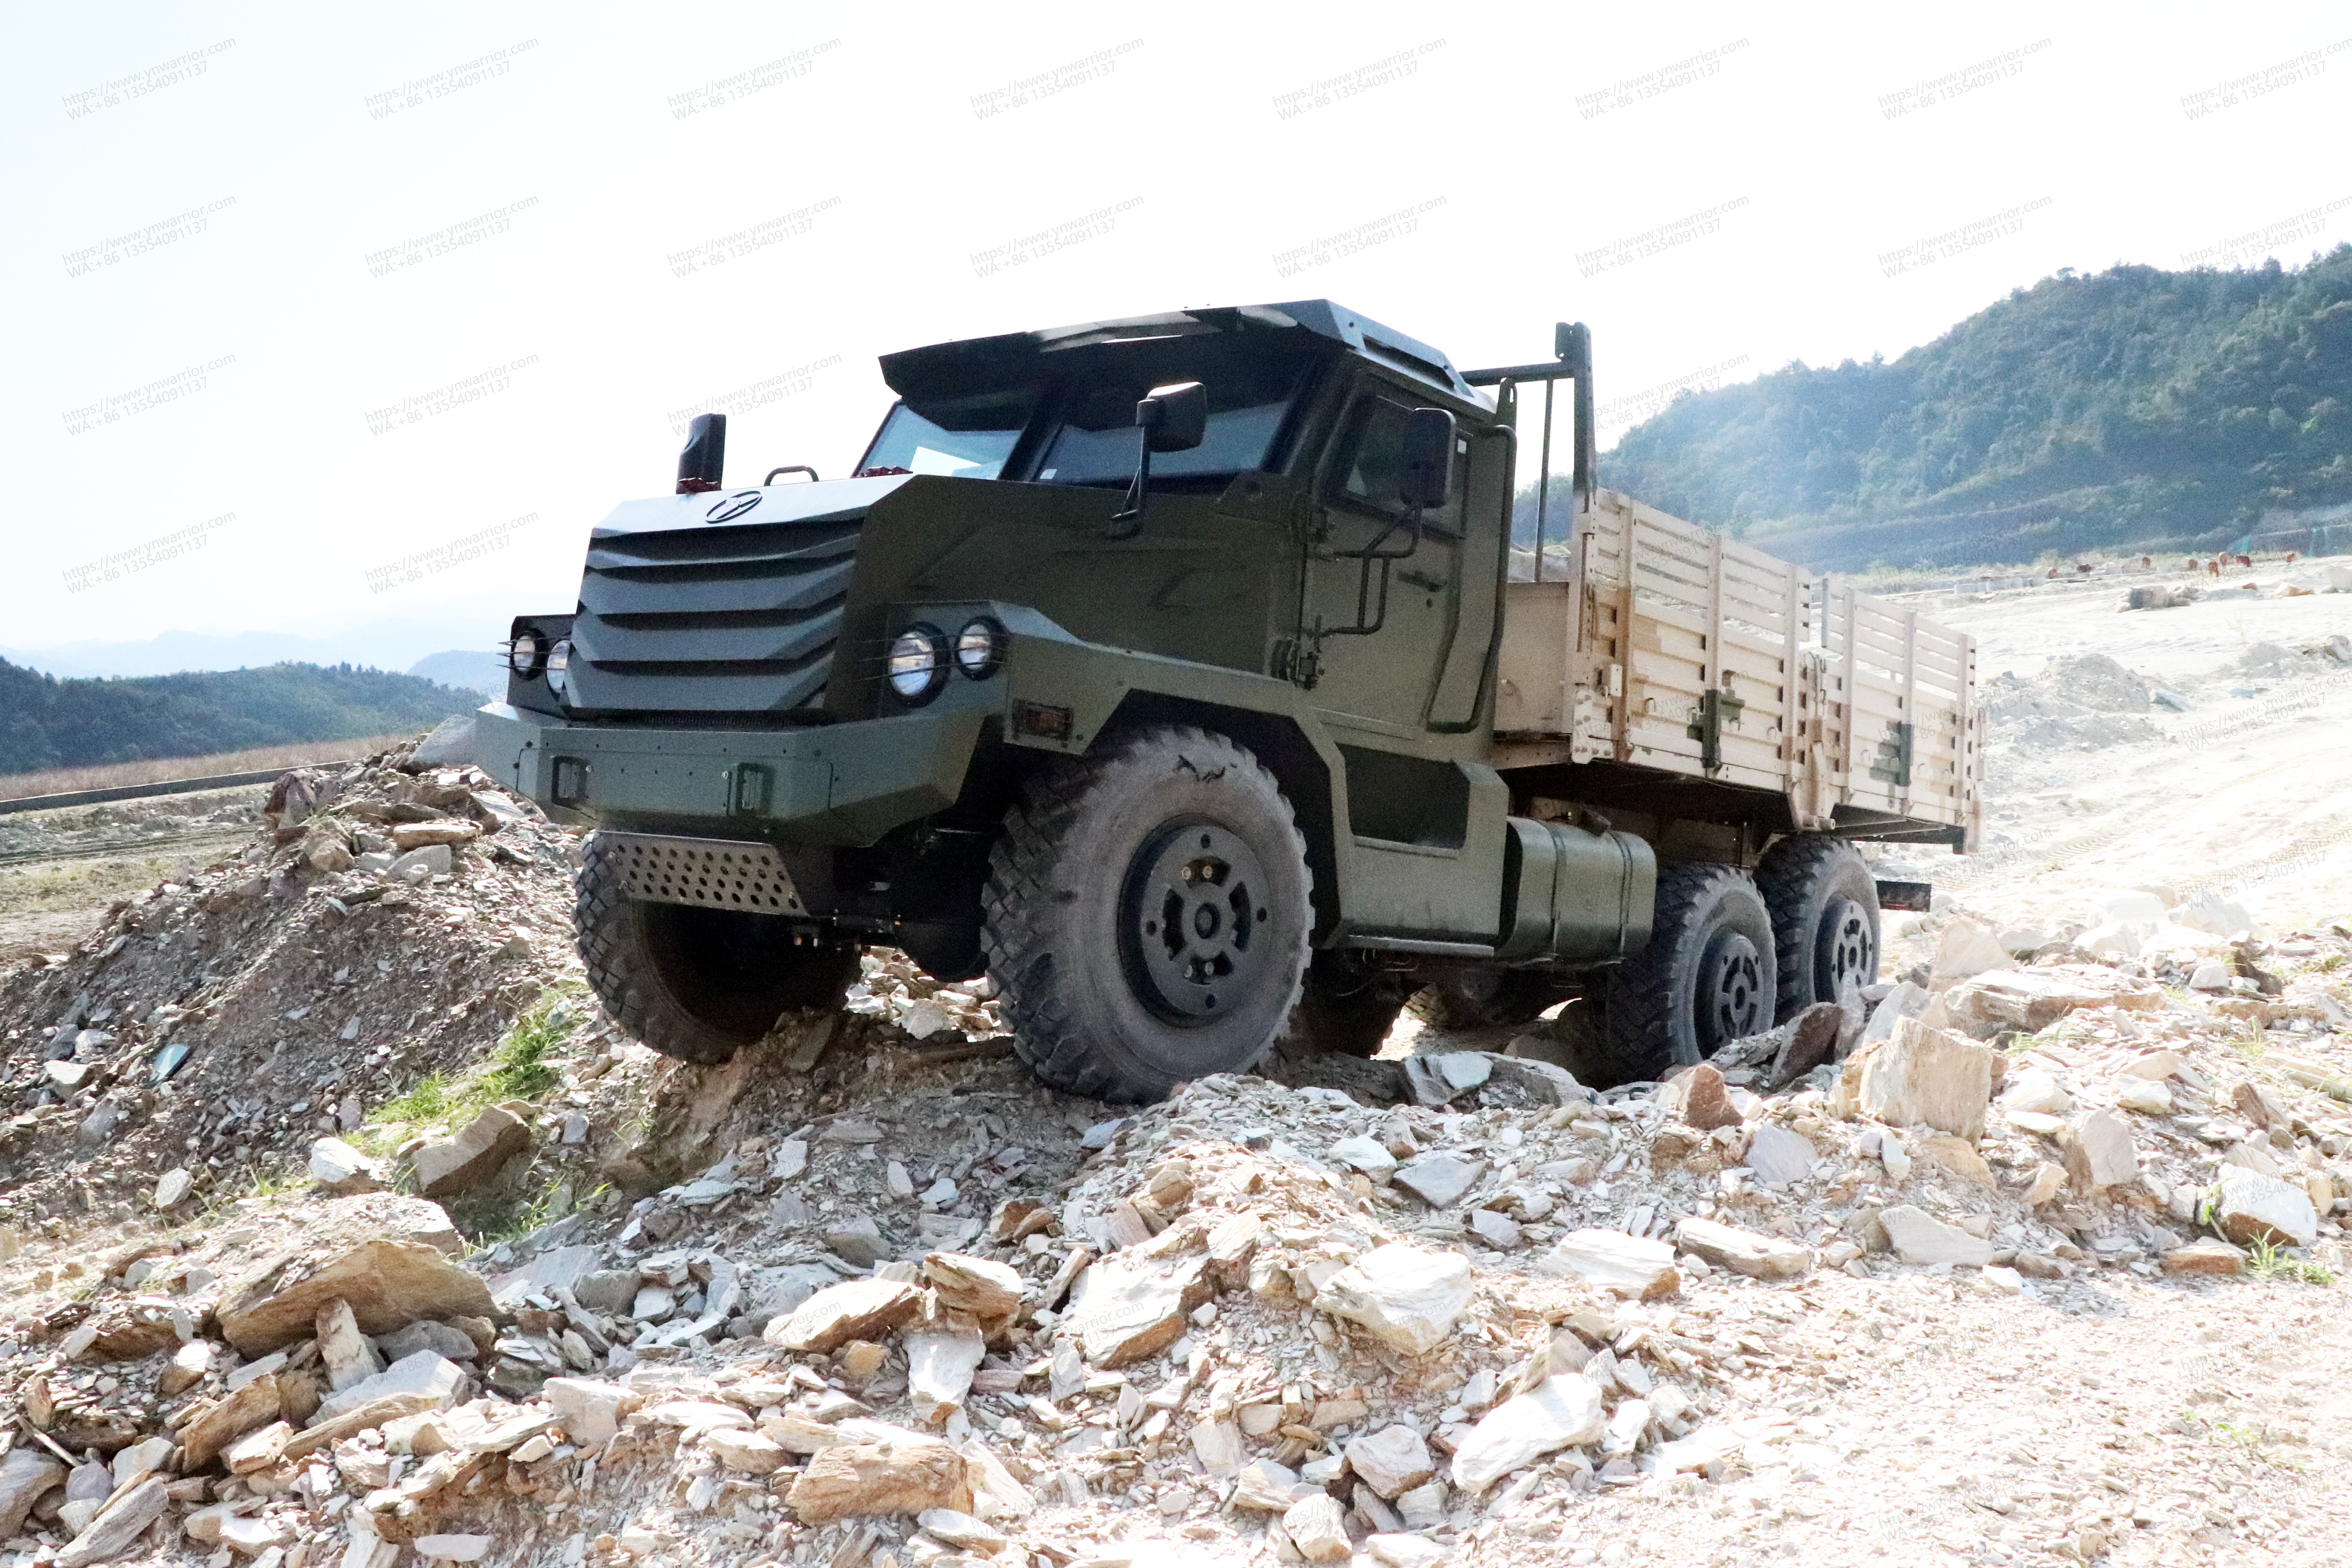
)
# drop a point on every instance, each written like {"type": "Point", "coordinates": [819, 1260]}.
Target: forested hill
{"type": "Point", "coordinates": [2136, 408]}
{"type": "Point", "coordinates": [46, 722]}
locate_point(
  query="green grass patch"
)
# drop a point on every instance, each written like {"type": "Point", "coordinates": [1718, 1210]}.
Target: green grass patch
{"type": "Point", "coordinates": [2265, 1261]}
{"type": "Point", "coordinates": [522, 1066]}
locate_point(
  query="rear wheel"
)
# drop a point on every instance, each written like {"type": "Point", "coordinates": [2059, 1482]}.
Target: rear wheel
{"type": "Point", "coordinates": [1706, 977]}
{"type": "Point", "coordinates": [1824, 905]}
{"type": "Point", "coordinates": [692, 983]}
{"type": "Point", "coordinates": [1147, 918]}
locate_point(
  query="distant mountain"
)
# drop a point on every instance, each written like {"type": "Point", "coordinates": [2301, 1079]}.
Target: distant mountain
{"type": "Point", "coordinates": [46, 722]}
{"type": "Point", "coordinates": [2133, 409]}
{"type": "Point", "coordinates": [465, 668]}
{"type": "Point", "coordinates": [382, 645]}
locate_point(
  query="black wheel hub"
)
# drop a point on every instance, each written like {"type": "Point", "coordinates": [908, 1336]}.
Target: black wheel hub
{"type": "Point", "coordinates": [1844, 952]}
{"type": "Point", "coordinates": [1191, 923]}
{"type": "Point", "coordinates": [1732, 1001]}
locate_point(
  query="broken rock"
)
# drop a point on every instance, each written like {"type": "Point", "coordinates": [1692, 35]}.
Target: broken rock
{"type": "Point", "coordinates": [1439, 1179]}
{"type": "Point", "coordinates": [979, 1286]}
{"type": "Point", "coordinates": [1700, 1099]}
{"type": "Point", "coordinates": [1917, 1236]}
{"type": "Point", "coordinates": [901, 1472]}
{"type": "Point", "coordinates": [1409, 1296]}
{"type": "Point", "coordinates": [389, 1284]}
{"type": "Point", "coordinates": [1561, 1412]}
{"type": "Point", "coordinates": [27, 1474]}
{"type": "Point", "coordinates": [2249, 1206]}
{"type": "Point", "coordinates": [436, 1383]}
{"type": "Point", "coordinates": [2205, 1257]}
{"type": "Point", "coordinates": [226, 1419]}
{"type": "Point", "coordinates": [1614, 1262]}
{"type": "Point", "coordinates": [1317, 1527]}
{"type": "Point", "coordinates": [1780, 1156]}
{"type": "Point", "coordinates": [938, 1372]}
{"type": "Point", "coordinates": [2101, 1154]}
{"type": "Point", "coordinates": [1392, 1460]}
{"type": "Point", "coordinates": [1921, 1075]}
{"type": "Point", "coordinates": [854, 1309]}
{"type": "Point", "coordinates": [1741, 1251]}
{"type": "Point", "coordinates": [458, 1165]}
{"type": "Point", "coordinates": [1127, 1308]}
{"type": "Point", "coordinates": [117, 1527]}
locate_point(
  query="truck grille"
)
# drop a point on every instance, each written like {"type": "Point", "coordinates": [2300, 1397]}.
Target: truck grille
{"type": "Point", "coordinates": [739, 620]}
{"type": "Point", "coordinates": [717, 873]}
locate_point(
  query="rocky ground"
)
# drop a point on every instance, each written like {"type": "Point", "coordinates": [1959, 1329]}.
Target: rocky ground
{"type": "Point", "coordinates": [339, 1223]}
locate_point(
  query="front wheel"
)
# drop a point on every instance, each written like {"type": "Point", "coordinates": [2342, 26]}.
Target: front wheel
{"type": "Point", "coordinates": [1707, 978]}
{"type": "Point", "coordinates": [696, 983]}
{"type": "Point", "coordinates": [1147, 916]}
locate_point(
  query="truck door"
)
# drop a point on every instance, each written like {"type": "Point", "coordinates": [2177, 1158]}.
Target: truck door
{"type": "Point", "coordinates": [1395, 677]}
{"type": "Point", "coordinates": [1379, 655]}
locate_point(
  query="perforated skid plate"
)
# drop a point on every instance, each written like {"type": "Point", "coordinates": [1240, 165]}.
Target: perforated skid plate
{"type": "Point", "coordinates": [718, 873]}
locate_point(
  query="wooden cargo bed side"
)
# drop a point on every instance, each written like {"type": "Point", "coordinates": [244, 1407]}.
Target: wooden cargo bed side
{"type": "Point", "coordinates": [1667, 646]}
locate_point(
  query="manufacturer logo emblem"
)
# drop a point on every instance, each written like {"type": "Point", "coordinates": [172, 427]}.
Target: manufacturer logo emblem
{"type": "Point", "coordinates": [727, 508]}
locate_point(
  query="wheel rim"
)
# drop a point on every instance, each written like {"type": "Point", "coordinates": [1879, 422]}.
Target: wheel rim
{"type": "Point", "coordinates": [1731, 1003]}
{"type": "Point", "coordinates": [1843, 950]}
{"type": "Point", "coordinates": [1192, 922]}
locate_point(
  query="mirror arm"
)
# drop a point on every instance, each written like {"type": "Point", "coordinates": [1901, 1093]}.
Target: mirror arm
{"type": "Point", "coordinates": [1131, 514]}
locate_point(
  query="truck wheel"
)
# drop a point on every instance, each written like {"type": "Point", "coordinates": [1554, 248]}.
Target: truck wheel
{"type": "Point", "coordinates": [1489, 999]}
{"type": "Point", "coordinates": [1147, 917]}
{"type": "Point", "coordinates": [692, 983]}
{"type": "Point", "coordinates": [1704, 980]}
{"type": "Point", "coordinates": [1344, 1008]}
{"type": "Point", "coordinates": [1824, 904]}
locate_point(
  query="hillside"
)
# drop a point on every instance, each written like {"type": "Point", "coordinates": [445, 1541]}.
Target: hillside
{"type": "Point", "coordinates": [46, 722]}
{"type": "Point", "coordinates": [2134, 408]}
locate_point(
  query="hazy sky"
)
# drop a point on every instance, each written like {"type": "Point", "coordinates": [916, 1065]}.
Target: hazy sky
{"type": "Point", "coordinates": [291, 298]}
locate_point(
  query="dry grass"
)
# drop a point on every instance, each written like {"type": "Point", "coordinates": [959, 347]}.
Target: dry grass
{"type": "Point", "coordinates": [158, 770]}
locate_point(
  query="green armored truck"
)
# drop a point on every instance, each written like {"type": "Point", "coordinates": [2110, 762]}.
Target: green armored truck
{"type": "Point", "coordinates": [1182, 675]}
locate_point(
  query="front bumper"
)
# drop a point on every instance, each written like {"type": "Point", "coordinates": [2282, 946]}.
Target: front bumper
{"type": "Point", "coordinates": [841, 785]}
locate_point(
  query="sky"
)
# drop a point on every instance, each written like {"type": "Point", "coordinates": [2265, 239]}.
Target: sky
{"type": "Point", "coordinates": [333, 320]}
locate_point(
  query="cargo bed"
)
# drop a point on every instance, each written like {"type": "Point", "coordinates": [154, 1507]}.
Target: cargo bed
{"type": "Point", "coordinates": [1657, 644]}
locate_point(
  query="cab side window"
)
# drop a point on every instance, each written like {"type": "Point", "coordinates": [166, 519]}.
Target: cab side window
{"type": "Point", "coordinates": [1371, 473]}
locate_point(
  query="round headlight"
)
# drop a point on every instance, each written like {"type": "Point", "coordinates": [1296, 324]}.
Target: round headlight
{"type": "Point", "coordinates": [559, 667]}
{"type": "Point", "coordinates": [526, 654]}
{"type": "Point", "coordinates": [980, 647]}
{"type": "Point", "coordinates": [919, 663]}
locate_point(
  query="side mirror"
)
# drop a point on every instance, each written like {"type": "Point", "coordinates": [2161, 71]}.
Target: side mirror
{"type": "Point", "coordinates": [1174, 418]}
{"type": "Point", "coordinates": [1429, 440]}
{"type": "Point", "coordinates": [704, 458]}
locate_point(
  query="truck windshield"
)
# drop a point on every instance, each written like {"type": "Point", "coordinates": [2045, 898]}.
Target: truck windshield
{"type": "Point", "coordinates": [1095, 440]}
{"type": "Point", "coordinates": [965, 437]}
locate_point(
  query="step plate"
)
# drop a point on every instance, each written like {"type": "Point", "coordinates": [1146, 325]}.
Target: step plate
{"type": "Point", "coordinates": [716, 873]}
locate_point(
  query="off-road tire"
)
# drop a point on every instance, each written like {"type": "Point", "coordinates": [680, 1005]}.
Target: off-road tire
{"type": "Point", "coordinates": [696, 983]}
{"type": "Point", "coordinates": [1652, 1018]}
{"type": "Point", "coordinates": [1824, 904]}
{"type": "Point", "coordinates": [1088, 852]}
{"type": "Point", "coordinates": [1489, 999]}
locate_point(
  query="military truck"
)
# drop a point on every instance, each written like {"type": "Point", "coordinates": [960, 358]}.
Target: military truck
{"type": "Point", "coordinates": [1180, 675]}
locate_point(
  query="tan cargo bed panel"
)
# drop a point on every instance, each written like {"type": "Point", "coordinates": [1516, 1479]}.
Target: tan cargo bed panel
{"type": "Point", "coordinates": [1664, 645]}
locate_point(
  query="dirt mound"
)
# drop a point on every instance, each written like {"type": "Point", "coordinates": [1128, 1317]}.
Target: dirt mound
{"type": "Point", "coordinates": [380, 925]}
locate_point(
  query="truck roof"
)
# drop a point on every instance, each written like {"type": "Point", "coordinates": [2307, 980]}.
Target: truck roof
{"type": "Point", "coordinates": [975, 363]}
